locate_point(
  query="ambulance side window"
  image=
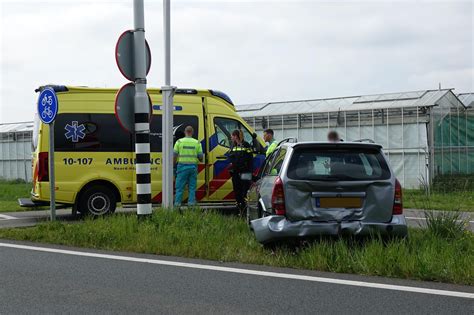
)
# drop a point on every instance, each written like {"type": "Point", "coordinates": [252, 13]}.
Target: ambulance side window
{"type": "Point", "coordinates": [180, 122]}
{"type": "Point", "coordinates": [224, 128]}
{"type": "Point", "coordinates": [90, 132]}
{"type": "Point", "coordinates": [103, 133]}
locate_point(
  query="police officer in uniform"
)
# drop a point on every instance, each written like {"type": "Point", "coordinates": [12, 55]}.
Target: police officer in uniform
{"type": "Point", "coordinates": [187, 154]}
{"type": "Point", "coordinates": [241, 158]}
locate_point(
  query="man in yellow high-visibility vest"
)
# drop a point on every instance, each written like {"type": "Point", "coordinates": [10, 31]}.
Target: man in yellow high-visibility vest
{"type": "Point", "coordinates": [272, 143]}
{"type": "Point", "coordinates": [187, 154]}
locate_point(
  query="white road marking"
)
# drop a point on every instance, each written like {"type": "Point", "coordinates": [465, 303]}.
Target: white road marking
{"type": "Point", "coordinates": [7, 217]}
{"type": "Point", "coordinates": [247, 271]}
{"type": "Point", "coordinates": [415, 218]}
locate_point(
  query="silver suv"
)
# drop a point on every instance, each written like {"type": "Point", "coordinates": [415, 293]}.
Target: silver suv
{"type": "Point", "coordinates": [309, 189]}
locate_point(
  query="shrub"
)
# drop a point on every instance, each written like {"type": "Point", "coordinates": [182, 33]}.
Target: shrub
{"type": "Point", "coordinates": [446, 224]}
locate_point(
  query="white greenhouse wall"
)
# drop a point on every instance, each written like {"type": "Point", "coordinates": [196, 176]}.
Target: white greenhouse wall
{"type": "Point", "coordinates": [15, 160]}
{"type": "Point", "coordinates": [408, 158]}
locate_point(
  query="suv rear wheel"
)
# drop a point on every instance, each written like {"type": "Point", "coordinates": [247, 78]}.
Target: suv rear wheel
{"type": "Point", "coordinates": [97, 201]}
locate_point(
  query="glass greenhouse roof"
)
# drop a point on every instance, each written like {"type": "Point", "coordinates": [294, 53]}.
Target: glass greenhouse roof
{"type": "Point", "coordinates": [16, 127]}
{"type": "Point", "coordinates": [426, 98]}
{"type": "Point", "coordinates": [467, 99]}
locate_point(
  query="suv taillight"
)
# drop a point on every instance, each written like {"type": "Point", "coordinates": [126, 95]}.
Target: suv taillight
{"type": "Point", "coordinates": [43, 171]}
{"type": "Point", "coordinates": [278, 197]}
{"type": "Point", "coordinates": [397, 200]}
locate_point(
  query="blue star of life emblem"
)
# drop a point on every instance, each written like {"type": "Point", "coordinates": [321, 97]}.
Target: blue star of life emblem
{"type": "Point", "coordinates": [75, 132]}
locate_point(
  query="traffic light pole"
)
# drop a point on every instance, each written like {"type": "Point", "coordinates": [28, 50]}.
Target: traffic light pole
{"type": "Point", "coordinates": [142, 120]}
{"type": "Point", "coordinates": [167, 94]}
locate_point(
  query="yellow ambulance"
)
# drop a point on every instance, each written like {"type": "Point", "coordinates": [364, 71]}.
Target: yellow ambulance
{"type": "Point", "coordinates": [94, 158]}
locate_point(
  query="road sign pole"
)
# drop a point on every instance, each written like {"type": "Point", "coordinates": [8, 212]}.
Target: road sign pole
{"type": "Point", "coordinates": [47, 108]}
{"type": "Point", "coordinates": [52, 181]}
{"type": "Point", "coordinates": [167, 145]}
{"type": "Point", "coordinates": [142, 121]}
{"type": "Point", "coordinates": [168, 93]}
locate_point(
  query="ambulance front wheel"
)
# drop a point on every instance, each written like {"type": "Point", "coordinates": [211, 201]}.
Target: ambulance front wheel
{"type": "Point", "coordinates": [97, 201]}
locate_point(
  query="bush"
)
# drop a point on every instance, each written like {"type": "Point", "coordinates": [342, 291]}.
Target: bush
{"type": "Point", "coordinates": [446, 224]}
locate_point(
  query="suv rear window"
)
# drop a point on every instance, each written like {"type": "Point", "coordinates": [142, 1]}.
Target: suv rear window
{"type": "Point", "coordinates": [349, 164]}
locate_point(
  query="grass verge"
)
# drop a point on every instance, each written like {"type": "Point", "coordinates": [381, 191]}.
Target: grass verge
{"type": "Point", "coordinates": [424, 255]}
{"type": "Point", "coordinates": [10, 191]}
{"type": "Point", "coordinates": [452, 201]}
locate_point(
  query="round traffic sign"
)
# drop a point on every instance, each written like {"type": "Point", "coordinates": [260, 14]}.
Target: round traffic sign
{"type": "Point", "coordinates": [125, 107]}
{"type": "Point", "coordinates": [124, 55]}
{"type": "Point", "coordinates": [47, 105]}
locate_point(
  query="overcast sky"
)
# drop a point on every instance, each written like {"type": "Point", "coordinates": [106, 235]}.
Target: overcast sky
{"type": "Point", "coordinates": [255, 51]}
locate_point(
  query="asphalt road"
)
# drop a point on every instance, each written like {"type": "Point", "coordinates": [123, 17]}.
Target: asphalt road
{"type": "Point", "coordinates": [415, 218]}
{"type": "Point", "coordinates": [34, 281]}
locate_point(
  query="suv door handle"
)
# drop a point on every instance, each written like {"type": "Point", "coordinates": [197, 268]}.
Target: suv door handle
{"type": "Point", "coordinates": [221, 157]}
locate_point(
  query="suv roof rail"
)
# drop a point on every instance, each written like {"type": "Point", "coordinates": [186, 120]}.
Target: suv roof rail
{"type": "Point", "coordinates": [365, 140]}
{"type": "Point", "coordinates": [292, 139]}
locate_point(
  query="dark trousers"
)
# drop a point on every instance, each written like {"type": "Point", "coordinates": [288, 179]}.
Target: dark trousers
{"type": "Point", "coordinates": [241, 188]}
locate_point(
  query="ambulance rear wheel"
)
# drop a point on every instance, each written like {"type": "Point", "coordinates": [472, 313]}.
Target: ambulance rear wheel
{"type": "Point", "coordinates": [97, 201]}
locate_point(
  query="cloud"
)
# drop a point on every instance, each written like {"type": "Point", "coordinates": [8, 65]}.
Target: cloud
{"type": "Point", "coordinates": [254, 51]}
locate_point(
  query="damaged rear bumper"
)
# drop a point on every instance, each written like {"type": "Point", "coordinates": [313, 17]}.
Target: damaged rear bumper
{"type": "Point", "coordinates": [277, 227]}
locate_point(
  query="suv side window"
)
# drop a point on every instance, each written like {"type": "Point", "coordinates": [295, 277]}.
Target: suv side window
{"type": "Point", "coordinates": [278, 162]}
{"type": "Point", "coordinates": [274, 163]}
{"type": "Point", "coordinates": [268, 163]}
{"type": "Point", "coordinates": [224, 128]}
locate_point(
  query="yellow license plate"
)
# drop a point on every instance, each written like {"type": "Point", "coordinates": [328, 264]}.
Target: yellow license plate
{"type": "Point", "coordinates": [339, 202]}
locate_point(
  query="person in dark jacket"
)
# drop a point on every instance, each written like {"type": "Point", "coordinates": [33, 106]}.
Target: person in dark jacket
{"type": "Point", "coordinates": [241, 157]}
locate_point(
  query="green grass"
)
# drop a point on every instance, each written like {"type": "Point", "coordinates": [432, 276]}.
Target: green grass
{"type": "Point", "coordinates": [457, 200]}
{"type": "Point", "coordinates": [10, 191]}
{"type": "Point", "coordinates": [424, 255]}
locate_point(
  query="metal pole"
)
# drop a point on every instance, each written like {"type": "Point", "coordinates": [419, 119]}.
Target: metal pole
{"type": "Point", "coordinates": [52, 190]}
{"type": "Point", "coordinates": [142, 112]}
{"type": "Point", "coordinates": [167, 94]}
{"type": "Point", "coordinates": [166, 30]}
{"type": "Point", "coordinates": [403, 151]}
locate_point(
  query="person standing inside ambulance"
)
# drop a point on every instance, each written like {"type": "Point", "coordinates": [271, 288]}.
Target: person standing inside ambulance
{"type": "Point", "coordinates": [241, 157]}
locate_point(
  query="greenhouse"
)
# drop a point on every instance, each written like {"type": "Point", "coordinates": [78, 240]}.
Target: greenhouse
{"type": "Point", "coordinates": [423, 133]}
{"type": "Point", "coordinates": [15, 150]}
